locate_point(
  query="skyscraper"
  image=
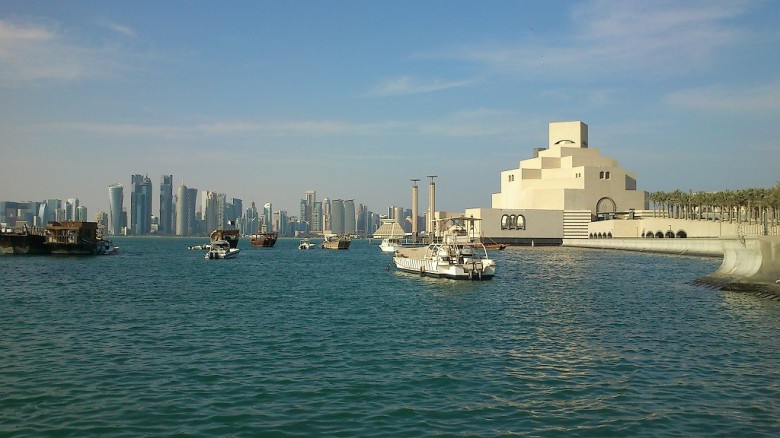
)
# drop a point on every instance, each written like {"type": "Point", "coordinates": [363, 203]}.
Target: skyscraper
{"type": "Point", "coordinates": [349, 217]}
{"type": "Point", "coordinates": [208, 210]}
{"type": "Point", "coordinates": [311, 199]}
{"type": "Point", "coordinates": [268, 216]}
{"type": "Point", "coordinates": [71, 209]}
{"type": "Point", "coordinates": [326, 215]}
{"type": "Point", "coordinates": [141, 204]}
{"type": "Point", "coordinates": [115, 200]}
{"type": "Point", "coordinates": [182, 211]}
{"type": "Point", "coordinates": [337, 216]}
{"type": "Point", "coordinates": [166, 205]}
{"type": "Point", "coordinates": [192, 197]}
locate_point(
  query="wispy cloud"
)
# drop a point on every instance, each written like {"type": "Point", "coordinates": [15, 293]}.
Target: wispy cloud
{"type": "Point", "coordinates": [121, 29]}
{"type": "Point", "coordinates": [41, 52]}
{"type": "Point", "coordinates": [605, 36]}
{"type": "Point", "coordinates": [406, 85]}
{"type": "Point", "coordinates": [755, 99]}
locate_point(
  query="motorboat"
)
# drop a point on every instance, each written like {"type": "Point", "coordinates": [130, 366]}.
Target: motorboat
{"type": "Point", "coordinates": [306, 244]}
{"type": "Point", "coordinates": [105, 247]}
{"type": "Point", "coordinates": [457, 254]}
{"type": "Point", "coordinates": [220, 249]}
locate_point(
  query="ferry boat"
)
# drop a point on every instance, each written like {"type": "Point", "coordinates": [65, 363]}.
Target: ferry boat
{"type": "Point", "coordinates": [220, 249]}
{"type": "Point", "coordinates": [458, 254]}
{"type": "Point", "coordinates": [336, 241]}
{"type": "Point", "coordinates": [263, 240]}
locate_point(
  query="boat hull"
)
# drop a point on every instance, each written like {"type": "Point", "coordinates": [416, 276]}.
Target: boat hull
{"type": "Point", "coordinates": [470, 270]}
{"type": "Point", "coordinates": [215, 255]}
{"type": "Point", "coordinates": [23, 244]}
{"type": "Point", "coordinates": [336, 244]}
{"type": "Point", "coordinates": [263, 240]}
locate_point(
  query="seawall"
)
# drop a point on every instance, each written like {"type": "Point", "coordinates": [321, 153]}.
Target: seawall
{"type": "Point", "coordinates": [749, 264]}
{"type": "Point", "coordinates": [698, 247]}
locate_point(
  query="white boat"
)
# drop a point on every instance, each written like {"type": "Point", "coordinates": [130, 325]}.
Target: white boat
{"type": "Point", "coordinates": [220, 249]}
{"type": "Point", "coordinates": [457, 254]}
{"type": "Point", "coordinates": [306, 244]}
{"type": "Point", "coordinates": [393, 236]}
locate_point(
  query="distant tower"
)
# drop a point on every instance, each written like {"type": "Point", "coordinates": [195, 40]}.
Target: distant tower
{"type": "Point", "coordinates": [141, 204]}
{"type": "Point", "coordinates": [115, 200]}
{"type": "Point", "coordinates": [166, 205]}
{"type": "Point", "coordinates": [349, 217]}
{"type": "Point", "coordinates": [326, 215]}
{"type": "Point", "coordinates": [431, 227]}
{"type": "Point", "coordinates": [182, 212]}
{"type": "Point", "coordinates": [192, 197]}
{"type": "Point", "coordinates": [71, 208]}
{"type": "Point", "coordinates": [268, 216]}
{"type": "Point", "coordinates": [311, 199]}
{"type": "Point", "coordinates": [414, 209]}
{"type": "Point", "coordinates": [337, 216]}
{"type": "Point", "coordinates": [81, 214]}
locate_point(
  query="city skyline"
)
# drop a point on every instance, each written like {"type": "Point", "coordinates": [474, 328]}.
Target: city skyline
{"type": "Point", "coordinates": [357, 99]}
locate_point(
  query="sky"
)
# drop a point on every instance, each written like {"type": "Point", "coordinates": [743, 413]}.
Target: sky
{"type": "Point", "coordinates": [263, 100]}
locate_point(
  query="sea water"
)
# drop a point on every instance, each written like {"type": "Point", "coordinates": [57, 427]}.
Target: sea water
{"type": "Point", "coordinates": [160, 341]}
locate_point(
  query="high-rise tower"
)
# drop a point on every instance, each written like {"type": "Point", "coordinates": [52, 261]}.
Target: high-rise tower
{"type": "Point", "coordinates": [166, 205]}
{"type": "Point", "coordinates": [115, 200]}
{"type": "Point", "coordinates": [141, 204]}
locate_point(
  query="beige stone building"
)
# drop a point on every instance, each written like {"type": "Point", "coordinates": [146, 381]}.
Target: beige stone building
{"type": "Point", "coordinates": [558, 192]}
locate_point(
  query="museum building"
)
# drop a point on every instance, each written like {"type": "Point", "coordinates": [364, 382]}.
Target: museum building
{"type": "Point", "coordinates": [556, 194]}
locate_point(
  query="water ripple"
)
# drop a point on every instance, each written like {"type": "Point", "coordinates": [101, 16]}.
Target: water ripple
{"type": "Point", "coordinates": [159, 341]}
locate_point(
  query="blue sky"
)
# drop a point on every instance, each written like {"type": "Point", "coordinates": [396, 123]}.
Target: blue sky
{"type": "Point", "coordinates": [263, 100]}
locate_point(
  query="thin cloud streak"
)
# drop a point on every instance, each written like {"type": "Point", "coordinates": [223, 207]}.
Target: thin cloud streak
{"type": "Point", "coordinates": [406, 85]}
{"type": "Point", "coordinates": [31, 52]}
{"type": "Point", "coordinates": [121, 29]}
{"type": "Point", "coordinates": [611, 37]}
{"type": "Point", "coordinates": [756, 99]}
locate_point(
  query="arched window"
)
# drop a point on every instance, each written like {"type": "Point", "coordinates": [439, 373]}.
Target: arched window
{"type": "Point", "coordinates": [682, 234]}
{"type": "Point", "coordinates": [606, 175]}
{"type": "Point", "coordinates": [520, 222]}
{"type": "Point", "coordinates": [669, 234]}
{"type": "Point", "coordinates": [601, 175]}
{"type": "Point", "coordinates": [659, 235]}
{"type": "Point", "coordinates": [505, 222]}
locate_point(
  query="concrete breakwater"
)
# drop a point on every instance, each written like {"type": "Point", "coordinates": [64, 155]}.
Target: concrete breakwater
{"type": "Point", "coordinates": [749, 264]}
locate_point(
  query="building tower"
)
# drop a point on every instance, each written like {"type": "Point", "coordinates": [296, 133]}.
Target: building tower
{"type": "Point", "coordinates": [326, 215]}
{"type": "Point", "coordinates": [71, 209]}
{"type": "Point", "coordinates": [414, 209]}
{"type": "Point", "coordinates": [115, 200]}
{"type": "Point", "coordinates": [268, 216]}
{"type": "Point", "coordinates": [350, 226]}
{"type": "Point", "coordinates": [337, 216]}
{"type": "Point", "coordinates": [166, 205]}
{"type": "Point", "coordinates": [311, 199]}
{"type": "Point", "coordinates": [182, 212]}
{"type": "Point", "coordinates": [141, 204]}
{"type": "Point", "coordinates": [431, 222]}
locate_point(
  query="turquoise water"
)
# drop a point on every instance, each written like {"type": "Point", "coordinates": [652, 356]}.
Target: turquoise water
{"type": "Point", "coordinates": [159, 341]}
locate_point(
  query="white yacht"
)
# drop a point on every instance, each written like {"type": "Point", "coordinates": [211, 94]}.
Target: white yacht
{"type": "Point", "coordinates": [456, 254]}
{"type": "Point", "coordinates": [306, 244]}
{"type": "Point", "coordinates": [220, 249]}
